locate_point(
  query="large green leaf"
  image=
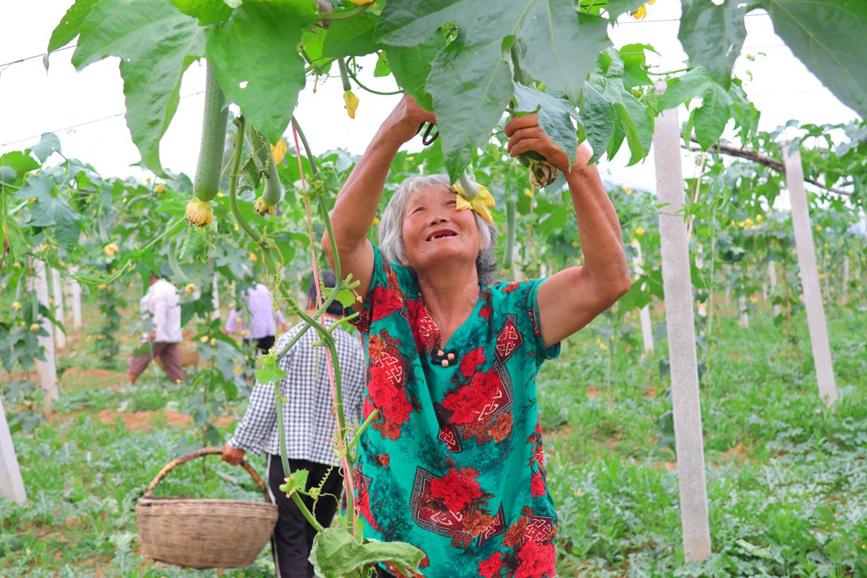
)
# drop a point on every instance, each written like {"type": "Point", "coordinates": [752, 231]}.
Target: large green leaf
{"type": "Point", "coordinates": [555, 116]}
{"type": "Point", "coordinates": [155, 43]}
{"type": "Point", "coordinates": [713, 35]}
{"type": "Point", "coordinates": [684, 88]}
{"type": "Point", "coordinates": [19, 161]}
{"type": "Point", "coordinates": [336, 554]}
{"type": "Point", "coordinates": [469, 96]}
{"type": "Point", "coordinates": [711, 118]}
{"type": "Point", "coordinates": [49, 210]}
{"type": "Point", "coordinates": [205, 11]}
{"type": "Point", "coordinates": [470, 79]}
{"type": "Point", "coordinates": [562, 45]}
{"type": "Point", "coordinates": [47, 145]}
{"type": "Point", "coordinates": [827, 36]}
{"type": "Point", "coordinates": [351, 36]}
{"type": "Point", "coordinates": [610, 113]}
{"type": "Point", "coordinates": [255, 56]}
{"type": "Point", "coordinates": [70, 24]}
{"type": "Point", "coordinates": [411, 66]}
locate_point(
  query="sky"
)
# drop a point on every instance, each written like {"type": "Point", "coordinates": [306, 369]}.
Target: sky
{"type": "Point", "coordinates": [85, 109]}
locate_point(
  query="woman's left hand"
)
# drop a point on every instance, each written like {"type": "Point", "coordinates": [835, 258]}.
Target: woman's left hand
{"type": "Point", "coordinates": [525, 135]}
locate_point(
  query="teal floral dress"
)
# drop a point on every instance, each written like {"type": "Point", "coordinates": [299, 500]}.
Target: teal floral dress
{"type": "Point", "coordinates": [454, 464]}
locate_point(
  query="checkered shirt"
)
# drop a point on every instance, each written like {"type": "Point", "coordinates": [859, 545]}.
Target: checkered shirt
{"type": "Point", "coordinates": [308, 409]}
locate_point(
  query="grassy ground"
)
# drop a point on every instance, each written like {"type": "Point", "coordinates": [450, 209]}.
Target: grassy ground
{"type": "Point", "coordinates": [787, 480]}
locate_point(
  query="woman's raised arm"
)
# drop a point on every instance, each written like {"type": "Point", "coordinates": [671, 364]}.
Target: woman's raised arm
{"type": "Point", "coordinates": [356, 204]}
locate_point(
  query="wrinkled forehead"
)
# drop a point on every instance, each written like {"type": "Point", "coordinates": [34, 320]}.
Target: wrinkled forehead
{"type": "Point", "coordinates": [429, 193]}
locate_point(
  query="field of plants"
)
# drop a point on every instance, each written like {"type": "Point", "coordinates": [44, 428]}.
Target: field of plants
{"type": "Point", "coordinates": [712, 422]}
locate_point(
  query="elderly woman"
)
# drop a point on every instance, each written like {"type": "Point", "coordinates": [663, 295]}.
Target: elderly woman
{"type": "Point", "coordinates": [454, 463]}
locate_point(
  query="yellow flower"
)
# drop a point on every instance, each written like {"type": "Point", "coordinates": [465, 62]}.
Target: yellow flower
{"type": "Point", "coordinates": [627, 190]}
{"type": "Point", "coordinates": [748, 222]}
{"type": "Point", "coordinates": [818, 228]}
{"type": "Point", "coordinates": [190, 289]}
{"type": "Point", "coordinates": [639, 230]}
{"type": "Point", "coordinates": [827, 245]}
{"type": "Point", "coordinates": [760, 218]}
{"type": "Point", "coordinates": [639, 13]}
{"type": "Point", "coordinates": [110, 250]}
{"type": "Point", "coordinates": [213, 340]}
{"type": "Point", "coordinates": [199, 213]}
{"type": "Point", "coordinates": [278, 151]}
{"type": "Point", "coordinates": [350, 101]}
{"type": "Point", "coordinates": [261, 206]}
{"type": "Point", "coordinates": [160, 188]}
{"type": "Point", "coordinates": [528, 193]}
{"type": "Point", "coordinates": [16, 306]}
{"type": "Point", "coordinates": [236, 226]}
{"type": "Point", "coordinates": [102, 286]}
{"type": "Point", "coordinates": [375, 220]}
{"type": "Point", "coordinates": [203, 338]}
{"type": "Point", "coordinates": [479, 203]}
{"type": "Point", "coordinates": [253, 257]}
{"type": "Point", "coordinates": [34, 327]}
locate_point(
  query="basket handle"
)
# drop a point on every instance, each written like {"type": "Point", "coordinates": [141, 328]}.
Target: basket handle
{"type": "Point", "coordinates": [200, 454]}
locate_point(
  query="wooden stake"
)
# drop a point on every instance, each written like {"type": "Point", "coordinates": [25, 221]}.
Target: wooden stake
{"type": "Point", "coordinates": [677, 286]}
{"type": "Point", "coordinates": [57, 289]}
{"type": "Point", "coordinates": [742, 307]}
{"type": "Point", "coordinates": [11, 484]}
{"type": "Point", "coordinates": [47, 369]}
{"type": "Point", "coordinates": [809, 275]}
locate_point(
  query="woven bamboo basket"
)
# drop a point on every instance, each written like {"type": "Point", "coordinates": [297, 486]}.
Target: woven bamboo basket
{"type": "Point", "coordinates": [204, 533]}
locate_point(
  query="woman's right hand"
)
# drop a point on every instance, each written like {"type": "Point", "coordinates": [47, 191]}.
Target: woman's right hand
{"type": "Point", "coordinates": [406, 118]}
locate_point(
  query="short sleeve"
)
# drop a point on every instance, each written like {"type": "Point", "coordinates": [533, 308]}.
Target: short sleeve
{"type": "Point", "coordinates": [520, 301]}
{"type": "Point", "coordinates": [386, 295]}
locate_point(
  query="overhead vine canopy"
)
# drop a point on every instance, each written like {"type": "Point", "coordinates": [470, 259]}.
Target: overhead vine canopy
{"type": "Point", "coordinates": [459, 57]}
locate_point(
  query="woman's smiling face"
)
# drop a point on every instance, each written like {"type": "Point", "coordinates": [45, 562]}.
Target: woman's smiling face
{"type": "Point", "coordinates": [434, 230]}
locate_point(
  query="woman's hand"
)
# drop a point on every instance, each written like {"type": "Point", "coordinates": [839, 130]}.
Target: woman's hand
{"type": "Point", "coordinates": [525, 135]}
{"type": "Point", "coordinates": [407, 116]}
{"type": "Point", "coordinates": [232, 455]}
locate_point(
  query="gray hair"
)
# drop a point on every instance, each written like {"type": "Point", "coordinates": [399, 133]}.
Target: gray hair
{"type": "Point", "coordinates": [391, 227]}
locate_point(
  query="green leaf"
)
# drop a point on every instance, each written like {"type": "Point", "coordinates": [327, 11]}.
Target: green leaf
{"type": "Point", "coordinates": [255, 56]}
{"type": "Point", "coordinates": [683, 89]}
{"type": "Point", "coordinates": [555, 116]}
{"type": "Point", "coordinates": [7, 175]}
{"type": "Point", "coordinates": [563, 45]}
{"type": "Point", "coordinates": [382, 68]}
{"type": "Point", "coordinates": [617, 7]}
{"type": "Point", "coordinates": [351, 36]}
{"type": "Point", "coordinates": [411, 67]}
{"type": "Point", "coordinates": [597, 118]}
{"type": "Point", "coordinates": [713, 35]}
{"type": "Point", "coordinates": [470, 80]}
{"type": "Point", "coordinates": [712, 116]}
{"type": "Point", "coordinates": [47, 145]}
{"type": "Point", "coordinates": [336, 554]}
{"type": "Point", "coordinates": [20, 161]}
{"type": "Point", "coordinates": [267, 370]}
{"type": "Point", "coordinates": [51, 211]}
{"type": "Point", "coordinates": [313, 44]}
{"type": "Point", "coordinates": [469, 97]}
{"type": "Point", "coordinates": [156, 43]}
{"type": "Point", "coordinates": [637, 121]}
{"type": "Point", "coordinates": [827, 36]}
{"type": "Point", "coordinates": [635, 65]}
{"type": "Point", "coordinates": [205, 11]}
{"type": "Point", "coordinates": [70, 24]}
{"type": "Point", "coordinates": [295, 482]}
{"type": "Point", "coordinates": [345, 297]}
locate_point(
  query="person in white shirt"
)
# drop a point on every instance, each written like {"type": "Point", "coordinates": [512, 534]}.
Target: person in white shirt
{"type": "Point", "coordinates": [259, 324]}
{"type": "Point", "coordinates": [161, 305]}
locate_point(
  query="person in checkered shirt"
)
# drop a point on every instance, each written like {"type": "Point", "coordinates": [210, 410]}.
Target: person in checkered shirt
{"type": "Point", "coordinates": [310, 430]}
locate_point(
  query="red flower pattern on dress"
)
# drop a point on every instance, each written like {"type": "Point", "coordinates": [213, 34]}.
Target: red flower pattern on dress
{"type": "Point", "coordinates": [537, 485]}
{"type": "Point", "coordinates": [390, 400]}
{"type": "Point", "coordinates": [385, 302]}
{"type": "Point", "coordinates": [471, 361]}
{"type": "Point", "coordinates": [490, 568]}
{"type": "Point", "coordinates": [537, 560]}
{"type": "Point", "coordinates": [485, 312]}
{"type": "Point", "coordinates": [501, 429]}
{"type": "Point", "coordinates": [424, 328]}
{"type": "Point", "coordinates": [511, 287]}
{"type": "Point", "coordinates": [468, 402]}
{"type": "Point", "coordinates": [458, 488]}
